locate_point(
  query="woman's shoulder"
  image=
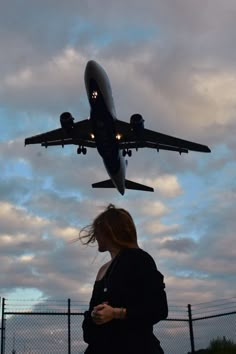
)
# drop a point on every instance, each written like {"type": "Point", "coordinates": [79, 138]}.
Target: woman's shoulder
{"type": "Point", "coordinates": [136, 252]}
{"type": "Point", "coordinates": [137, 255]}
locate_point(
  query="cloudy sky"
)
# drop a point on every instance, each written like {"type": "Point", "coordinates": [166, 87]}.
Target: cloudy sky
{"type": "Point", "coordinates": [172, 61]}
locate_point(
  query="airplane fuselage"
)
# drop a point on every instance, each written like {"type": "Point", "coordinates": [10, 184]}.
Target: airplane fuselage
{"type": "Point", "coordinates": [103, 116]}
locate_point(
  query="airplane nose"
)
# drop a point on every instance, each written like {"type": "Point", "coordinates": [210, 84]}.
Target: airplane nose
{"type": "Point", "coordinates": [90, 71]}
{"type": "Point", "coordinates": [90, 63]}
{"type": "Point", "coordinates": [91, 66]}
{"type": "Point", "coordinates": [94, 71]}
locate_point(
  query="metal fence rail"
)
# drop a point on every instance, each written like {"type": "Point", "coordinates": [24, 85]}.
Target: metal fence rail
{"type": "Point", "coordinates": [55, 327]}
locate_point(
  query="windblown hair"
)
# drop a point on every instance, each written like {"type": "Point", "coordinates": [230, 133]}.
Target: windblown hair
{"type": "Point", "coordinates": [116, 224]}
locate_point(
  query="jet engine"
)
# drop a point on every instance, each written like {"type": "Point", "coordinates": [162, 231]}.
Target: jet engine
{"type": "Point", "coordinates": [137, 124]}
{"type": "Point", "coordinates": [67, 121]}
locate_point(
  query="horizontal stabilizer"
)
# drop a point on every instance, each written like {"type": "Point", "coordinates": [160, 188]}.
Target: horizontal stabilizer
{"type": "Point", "coordinates": [104, 184]}
{"type": "Point", "coordinates": [128, 185]}
{"type": "Point", "coordinates": [137, 186]}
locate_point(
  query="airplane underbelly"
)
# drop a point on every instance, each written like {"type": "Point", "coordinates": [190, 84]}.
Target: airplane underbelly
{"type": "Point", "coordinates": [106, 142]}
{"type": "Point", "coordinates": [119, 179]}
{"type": "Point", "coordinates": [110, 155]}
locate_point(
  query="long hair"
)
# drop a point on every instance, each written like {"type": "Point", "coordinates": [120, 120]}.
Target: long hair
{"type": "Point", "coordinates": [116, 224]}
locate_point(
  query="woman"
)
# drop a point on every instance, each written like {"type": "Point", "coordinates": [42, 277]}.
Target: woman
{"type": "Point", "coordinates": [128, 296]}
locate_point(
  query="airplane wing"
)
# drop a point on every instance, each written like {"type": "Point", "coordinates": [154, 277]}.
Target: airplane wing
{"type": "Point", "coordinates": [79, 134]}
{"type": "Point", "coordinates": [154, 140]}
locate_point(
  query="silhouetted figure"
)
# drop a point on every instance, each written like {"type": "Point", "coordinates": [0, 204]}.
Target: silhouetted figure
{"type": "Point", "coordinates": [128, 296]}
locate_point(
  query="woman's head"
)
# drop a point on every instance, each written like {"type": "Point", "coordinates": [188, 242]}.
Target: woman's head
{"type": "Point", "coordinates": [114, 227]}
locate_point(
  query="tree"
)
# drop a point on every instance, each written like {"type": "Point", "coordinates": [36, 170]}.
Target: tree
{"type": "Point", "coordinates": [221, 346]}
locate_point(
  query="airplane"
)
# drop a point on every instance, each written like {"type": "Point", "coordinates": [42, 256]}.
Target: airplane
{"type": "Point", "coordinates": [113, 138]}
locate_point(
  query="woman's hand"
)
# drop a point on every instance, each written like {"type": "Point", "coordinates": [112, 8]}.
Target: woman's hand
{"type": "Point", "coordinates": [102, 313]}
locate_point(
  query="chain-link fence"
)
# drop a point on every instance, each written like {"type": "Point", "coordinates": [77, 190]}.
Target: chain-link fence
{"type": "Point", "coordinates": [55, 327]}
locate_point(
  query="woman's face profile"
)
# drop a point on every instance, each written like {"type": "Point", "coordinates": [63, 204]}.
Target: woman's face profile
{"type": "Point", "coordinates": [102, 241]}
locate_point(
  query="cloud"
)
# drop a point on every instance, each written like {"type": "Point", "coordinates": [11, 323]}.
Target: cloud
{"type": "Point", "coordinates": [42, 254]}
{"type": "Point", "coordinates": [50, 86]}
{"type": "Point", "coordinates": [153, 208]}
{"type": "Point", "coordinates": [173, 63]}
{"type": "Point", "coordinates": [157, 228]}
{"type": "Point", "coordinates": [178, 245]}
{"type": "Point", "coordinates": [15, 220]}
{"type": "Point", "coordinates": [166, 185]}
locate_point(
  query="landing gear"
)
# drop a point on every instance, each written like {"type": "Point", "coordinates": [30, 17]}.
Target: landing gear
{"type": "Point", "coordinates": [127, 152]}
{"type": "Point", "coordinates": [81, 149]}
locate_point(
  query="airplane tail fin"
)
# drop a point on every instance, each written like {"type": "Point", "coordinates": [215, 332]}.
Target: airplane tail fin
{"type": "Point", "coordinates": [128, 185]}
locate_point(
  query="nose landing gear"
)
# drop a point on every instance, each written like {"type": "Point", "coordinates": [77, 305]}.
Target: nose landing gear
{"type": "Point", "coordinates": [127, 152]}
{"type": "Point", "coordinates": [81, 149]}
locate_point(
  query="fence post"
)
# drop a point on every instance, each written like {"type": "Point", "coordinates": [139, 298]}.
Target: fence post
{"type": "Point", "coordinates": [3, 328]}
{"type": "Point", "coordinates": [1, 321]}
{"type": "Point", "coordinates": [69, 328]}
{"type": "Point", "coordinates": [190, 321]}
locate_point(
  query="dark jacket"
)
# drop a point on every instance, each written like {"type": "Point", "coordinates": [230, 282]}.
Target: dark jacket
{"type": "Point", "coordinates": [132, 281]}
